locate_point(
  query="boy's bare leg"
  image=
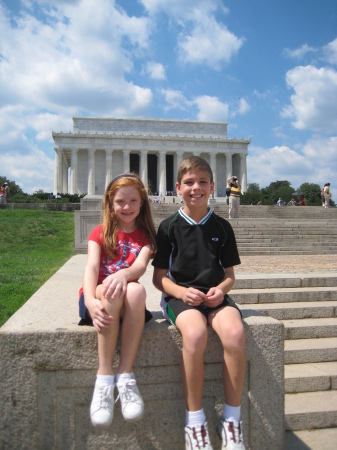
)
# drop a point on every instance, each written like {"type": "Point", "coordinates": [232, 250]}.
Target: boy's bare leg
{"type": "Point", "coordinates": [132, 325]}
{"type": "Point", "coordinates": [193, 328]}
{"type": "Point", "coordinates": [227, 323]}
{"type": "Point", "coordinates": [107, 337]}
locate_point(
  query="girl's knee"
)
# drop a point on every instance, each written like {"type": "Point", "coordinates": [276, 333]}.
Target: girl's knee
{"type": "Point", "coordinates": [135, 296]}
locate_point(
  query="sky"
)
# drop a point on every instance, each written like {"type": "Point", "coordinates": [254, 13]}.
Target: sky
{"type": "Point", "coordinates": [266, 67]}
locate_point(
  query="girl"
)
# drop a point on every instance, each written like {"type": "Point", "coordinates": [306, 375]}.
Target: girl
{"type": "Point", "coordinates": [119, 251]}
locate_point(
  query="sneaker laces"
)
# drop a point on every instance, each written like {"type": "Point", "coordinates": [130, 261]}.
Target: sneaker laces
{"type": "Point", "coordinates": [200, 434]}
{"type": "Point", "coordinates": [126, 389]}
{"type": "Point", "coordinates": [104, 395]}
{"type": "Point", "coordinates": [235, 431]}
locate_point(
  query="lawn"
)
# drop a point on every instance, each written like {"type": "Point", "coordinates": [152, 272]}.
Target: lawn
{"type": "Point", "coordinates": [33, 246]}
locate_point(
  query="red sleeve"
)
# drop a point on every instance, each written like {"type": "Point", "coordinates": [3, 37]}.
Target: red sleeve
{"type": "Point", "coordinates": [96, 235]}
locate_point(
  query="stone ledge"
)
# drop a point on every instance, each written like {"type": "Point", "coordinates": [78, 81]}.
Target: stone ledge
{"type": "Point", "coordinates": [49, 364]}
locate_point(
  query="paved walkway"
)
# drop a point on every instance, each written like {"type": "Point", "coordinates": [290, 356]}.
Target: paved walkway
{"type": "Point", "coordinates": [287, 263]}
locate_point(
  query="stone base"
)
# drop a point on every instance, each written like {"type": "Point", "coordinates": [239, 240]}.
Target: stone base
{"type": "Point", "coordinates": [48, 367]}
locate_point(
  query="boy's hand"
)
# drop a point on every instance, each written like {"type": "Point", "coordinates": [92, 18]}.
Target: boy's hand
{"type": "Point", "coordinates": [100, 318]}
{"type": "Point", "coordinates": [115, 285]}
{"type": "Point", "coordinates": [193, 297]}
{"type": "Point", "coordinates": [214, 297]}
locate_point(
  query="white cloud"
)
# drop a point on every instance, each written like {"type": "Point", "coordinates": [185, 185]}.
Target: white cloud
{"type": "Point", "coordinates": [155, 70]}
{"type": "Point", "coordinates": [204, 39]}
{"type": "Point", "coordinates": [29, 170]}
{"type": "Point", "coordinates": [330, 52]}
{"type": "Point", "coordinates": [209, 43]}
{"type": "Point", "coordinates": [300, 52]}
{"type": "Point", "coordinates": [313, 105]}
{"type": "Point", "coordinates": [315, 162]}
{"type": "Point", "coordinates": [211, 109]}
{"type": "Point", "coordinates": [174, 99]}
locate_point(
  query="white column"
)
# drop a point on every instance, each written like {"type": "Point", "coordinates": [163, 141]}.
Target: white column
{"type": "Point", "coordinates": [143, 167]}
{"type": "Point", "coordinates": [73, 172]}
{"type": "Point", "coordinates": [91, 172]}
{"type": "Point", "coordinates": [213, 167]}
{"type": "Point", "coordinates": [56, 169]}
{"type": "Point", "coordinates": [65, 176]}
{"type": "Point", "coordinates": [108, 167]}
{"type": "Point", "coordinates": [179, 159]}
{"type": "Point", "coordinates": [162, 173]}
{"type": "Point", "coordinates": [229, 167]}
{"type": "Point", "coordinates": [243, 172]}
{"type": "Point", "coordinates": [126, 161]}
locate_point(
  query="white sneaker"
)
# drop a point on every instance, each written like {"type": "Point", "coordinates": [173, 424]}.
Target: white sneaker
{"type": "Point", "coordinates": [102, 405]}
{"type": "Point", "coordinates": [197, 437]}
{"type": "Point", "coordinates": [132, 405]}
{"type": "Point", "coordinates": [231, 435]}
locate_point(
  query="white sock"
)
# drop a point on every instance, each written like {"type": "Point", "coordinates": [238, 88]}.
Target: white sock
{"type": "Point", "coordinates": [195, 418]}
{"type": "Point", "coordinates": [121, 377]}
{"type": "Point", "coordinates": [105, 380]}
{"type": "Point", "coordinates": [231, 413]}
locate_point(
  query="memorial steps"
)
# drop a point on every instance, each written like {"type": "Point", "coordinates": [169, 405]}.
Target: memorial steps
{"type": "Point", "coordinates": [272, 230]}
{"type": "Point", "coordinates": [307, 306]}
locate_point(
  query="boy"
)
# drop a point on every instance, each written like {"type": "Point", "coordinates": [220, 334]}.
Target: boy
{"type": "Point", "coordinates": [194, 270]}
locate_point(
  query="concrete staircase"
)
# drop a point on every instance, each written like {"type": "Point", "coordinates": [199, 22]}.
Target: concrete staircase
{"type": "Point", "coordinates": [307, 306]}
{"type": "Point", "coordinates": [272, 230]}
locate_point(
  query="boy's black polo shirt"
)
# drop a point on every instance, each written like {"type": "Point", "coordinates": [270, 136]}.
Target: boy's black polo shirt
{"type": "Point", "coordinates": [196, 254]}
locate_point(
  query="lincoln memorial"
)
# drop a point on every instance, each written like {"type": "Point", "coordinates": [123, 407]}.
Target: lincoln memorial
{"type": "Point", "coordinates": [98, 149]}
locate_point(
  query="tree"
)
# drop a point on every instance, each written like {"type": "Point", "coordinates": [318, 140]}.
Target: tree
{"type": "Point", "coordinates": [312, 193]}
{"type": "Point", "coordinates": [14, 188]}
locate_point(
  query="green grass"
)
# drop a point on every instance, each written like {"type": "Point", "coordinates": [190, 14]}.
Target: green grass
{"type": "Point", "coordinates": [33, 246]}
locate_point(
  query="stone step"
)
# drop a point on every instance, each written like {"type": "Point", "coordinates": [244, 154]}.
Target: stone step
{"type": "Point", "coordinates": [310, 328]}
{"type": "Point", "coordinates": [320, 439]}
{"type": "Point", "coordinates": [274, 295]}
{"type": "Point", "coordinates": [284, 280]}
{"type": "Point", "coordinates": [310, 350]}
{"type": "Point", "coordinates": [311, 410]}
{"type": "Point", "coordinates": [286, 251]}
{"type": "Point", "coordinates": [310, 377]}
{"type": "Point", "coordinates": [297, 310]}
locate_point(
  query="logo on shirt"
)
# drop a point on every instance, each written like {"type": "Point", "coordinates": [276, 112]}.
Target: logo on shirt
{"type": "Point", "coordinates": [215, 239]}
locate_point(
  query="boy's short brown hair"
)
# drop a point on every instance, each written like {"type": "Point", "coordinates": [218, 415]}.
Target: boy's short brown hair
{"type": "Point", "coordinates": [193, 163]}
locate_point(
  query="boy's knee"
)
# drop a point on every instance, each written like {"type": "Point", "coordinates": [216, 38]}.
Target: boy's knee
{"type": "Point", "coordinates": [235, 337]}
{"type": "Point", "coordinates": [195, 340]}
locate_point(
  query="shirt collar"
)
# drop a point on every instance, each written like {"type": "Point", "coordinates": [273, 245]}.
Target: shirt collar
{"type": "Point", "coordinates": [193, 222]}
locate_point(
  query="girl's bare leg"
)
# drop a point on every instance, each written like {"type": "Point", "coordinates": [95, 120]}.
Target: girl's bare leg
{"type": "Point", "coordinates": [107, 337]}
{"type": "Point", "coordinates": [132, 325]}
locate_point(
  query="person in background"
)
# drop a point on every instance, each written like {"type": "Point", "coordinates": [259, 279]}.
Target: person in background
{"type": "Point", "coordinates": [302, 201]}
{"type": "Point", "coordinates": [327, 195]}
{"type": "Point", "coordinates": [7, 192]}
{"type": "Point", "coordinates": [234, 197]}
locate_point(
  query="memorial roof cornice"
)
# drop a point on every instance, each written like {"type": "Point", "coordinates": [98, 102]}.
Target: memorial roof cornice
{"type": "Point", "coordinates": [142, 136]}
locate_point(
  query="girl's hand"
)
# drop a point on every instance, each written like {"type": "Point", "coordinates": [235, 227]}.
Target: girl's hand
{"type": "Point", "coordinates": [99, 316]}
{"type": "Point", "coordinates": [114, 286]}
{"type": "Point", "coordinates": [193, 297]}
{"type": "Point", "coordinates": [214, 297]}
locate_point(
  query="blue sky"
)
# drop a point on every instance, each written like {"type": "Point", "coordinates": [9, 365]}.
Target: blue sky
{"type": "Point", "coordinates": [267, 68]}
